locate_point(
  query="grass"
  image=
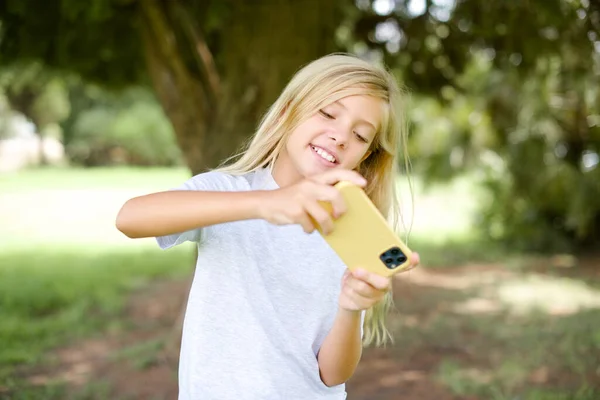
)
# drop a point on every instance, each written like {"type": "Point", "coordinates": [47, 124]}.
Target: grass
{"type": "Point", "coordinates": [518, 335]}
{"type": "Point", "coordinates": [499, 356]}
{"type": "Point", "coordinates": [60, 391]}
{"type": "Point", "coordinates": [66, 272]}
{"type": "Point", "coordinates": [141, 355]}
{"type": "Point", "coordinates": [52, 293]}
{"type": "Point", "coordinates": [53, 178]}
{"type": "Point", "coordinates": [537, 357]}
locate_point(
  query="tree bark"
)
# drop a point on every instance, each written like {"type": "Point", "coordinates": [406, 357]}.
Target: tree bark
{"type": "Point", "coordinates": [179, 93]}
{"type": "Point", "coordinates": [265, 44]}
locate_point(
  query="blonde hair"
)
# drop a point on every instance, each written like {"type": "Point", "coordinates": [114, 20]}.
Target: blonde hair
{"type": "Point", "coordinates": [316, 85]}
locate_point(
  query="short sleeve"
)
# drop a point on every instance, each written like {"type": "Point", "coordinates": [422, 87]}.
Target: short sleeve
{"type": "Point", "coordinates": [208, 181]}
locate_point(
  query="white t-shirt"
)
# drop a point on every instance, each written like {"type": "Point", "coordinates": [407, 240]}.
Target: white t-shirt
{"type": "Point", "coordinates": [263, 299]}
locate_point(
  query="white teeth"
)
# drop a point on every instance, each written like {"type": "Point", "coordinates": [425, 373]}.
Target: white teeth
{"type": "Point", "coordinates": [324, 154]}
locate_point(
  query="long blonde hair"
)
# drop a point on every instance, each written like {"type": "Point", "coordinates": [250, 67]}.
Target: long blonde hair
{"type": "Point", "coordinates": [317, 84]}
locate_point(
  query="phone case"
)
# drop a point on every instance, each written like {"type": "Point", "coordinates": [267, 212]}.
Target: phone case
{"type": "Point", "coordinates": [361, 237]}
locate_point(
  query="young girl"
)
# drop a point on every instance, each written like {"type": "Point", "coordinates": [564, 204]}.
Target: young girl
{"type": "Point", "coordinates": [273, 313]}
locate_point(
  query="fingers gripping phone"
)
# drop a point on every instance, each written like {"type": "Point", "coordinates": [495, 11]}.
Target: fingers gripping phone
{"type": "Point", "coordinates": [362, 238]}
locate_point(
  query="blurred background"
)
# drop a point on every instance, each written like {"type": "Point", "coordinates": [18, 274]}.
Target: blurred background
{"type": "Point", "coordinates": [104, 100]}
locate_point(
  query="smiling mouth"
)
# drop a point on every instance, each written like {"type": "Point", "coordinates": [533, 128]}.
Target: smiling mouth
{"type": "Point", "coordinates": [324, 154]}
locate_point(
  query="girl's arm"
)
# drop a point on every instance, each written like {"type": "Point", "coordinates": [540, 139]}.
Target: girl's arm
{"type": "Point", "coordinates": [342, 348]}
{"type": "Point", "coordinates": [175, 211]}
{"type": "Point", "coordinates": [165, 213]}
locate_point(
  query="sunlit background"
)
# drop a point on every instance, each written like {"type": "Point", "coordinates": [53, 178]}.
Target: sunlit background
{"type": "Point", "coordinates": [104, 100]}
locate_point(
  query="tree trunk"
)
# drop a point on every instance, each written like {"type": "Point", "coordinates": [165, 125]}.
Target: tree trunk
{"type": "Point", "coordinates": [42, 161]}
{"type": "Point", "coordinates": [178, 91]}
{"type": "Point", "coordinates": [260, 47]}
{"type": "Point", "coordinates": [265, 43]}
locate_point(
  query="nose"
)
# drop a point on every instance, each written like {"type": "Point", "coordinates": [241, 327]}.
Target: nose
{"type": "Point", "coordinates": [340, 137]}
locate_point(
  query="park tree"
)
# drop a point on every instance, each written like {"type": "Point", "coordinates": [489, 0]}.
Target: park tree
{"type": "Point", "coordinates": [215, 66]}
{"type": "Point", "coordinates": [508, 89]}
{"type": "Point", "coordinates": [38, 94]}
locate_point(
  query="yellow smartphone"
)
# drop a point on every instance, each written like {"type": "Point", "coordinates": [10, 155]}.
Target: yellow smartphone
{"type": "Point", "coordinates": [362, 238]}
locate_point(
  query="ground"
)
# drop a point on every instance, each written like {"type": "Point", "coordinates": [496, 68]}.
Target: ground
{"type": "Point", "coordinates": [151, 314]}
{"type": "Point", "coordinates": [133, 363]}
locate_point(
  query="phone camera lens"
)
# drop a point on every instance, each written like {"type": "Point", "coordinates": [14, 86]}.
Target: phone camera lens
{"type": "Point", "coordinates": [389, 261]}
{"type": "Point", "coordinates": [395, 252]}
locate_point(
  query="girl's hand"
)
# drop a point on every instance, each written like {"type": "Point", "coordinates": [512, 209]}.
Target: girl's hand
{"type": "Point", "coordinates": [298, 203]}
{"type": "Point", "coordinates": [362, 289]}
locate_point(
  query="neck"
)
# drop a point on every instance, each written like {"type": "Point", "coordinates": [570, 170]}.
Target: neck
{"type": "Point", "coordinates": [284, 173]}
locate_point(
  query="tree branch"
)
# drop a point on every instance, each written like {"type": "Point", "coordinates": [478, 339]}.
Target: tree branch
{"type": "Point", "coordinates": [166, 43]}
{"type": "Point", "coordinates": [203, 56]}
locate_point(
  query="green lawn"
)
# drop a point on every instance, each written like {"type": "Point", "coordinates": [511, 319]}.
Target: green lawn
{"type": "Point", "coordinates": [65, 271]}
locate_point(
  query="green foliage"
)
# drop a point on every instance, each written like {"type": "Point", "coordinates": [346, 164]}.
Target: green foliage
{"type": "Point", "coordinates": [510, 90]}
{"type": "Point", "coordinates": [5, 114]}
{"type": "Point", "coordinates": [147, 135]}
{"type": "Point", "coordinates": [133, 131]}
{"type": "Point", "coordinates": [431, 46]}
{"type": "Point", "coordinates": [37, 92]}
{"type": "Point", "coordinates": [99, 39]}
{"type": "Point", "coordinates": [52, 105]}
{"type": "Point", "coordinates": [546, 195]}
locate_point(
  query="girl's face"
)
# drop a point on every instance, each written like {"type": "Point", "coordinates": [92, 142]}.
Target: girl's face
{"type": "Point", "coordinates": [339, 135]}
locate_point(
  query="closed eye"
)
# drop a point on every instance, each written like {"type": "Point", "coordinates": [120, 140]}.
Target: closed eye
{"type": "Point", "coordinates": [361, 138]}
{"type": "Point", "coordinates": [326, 115]}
